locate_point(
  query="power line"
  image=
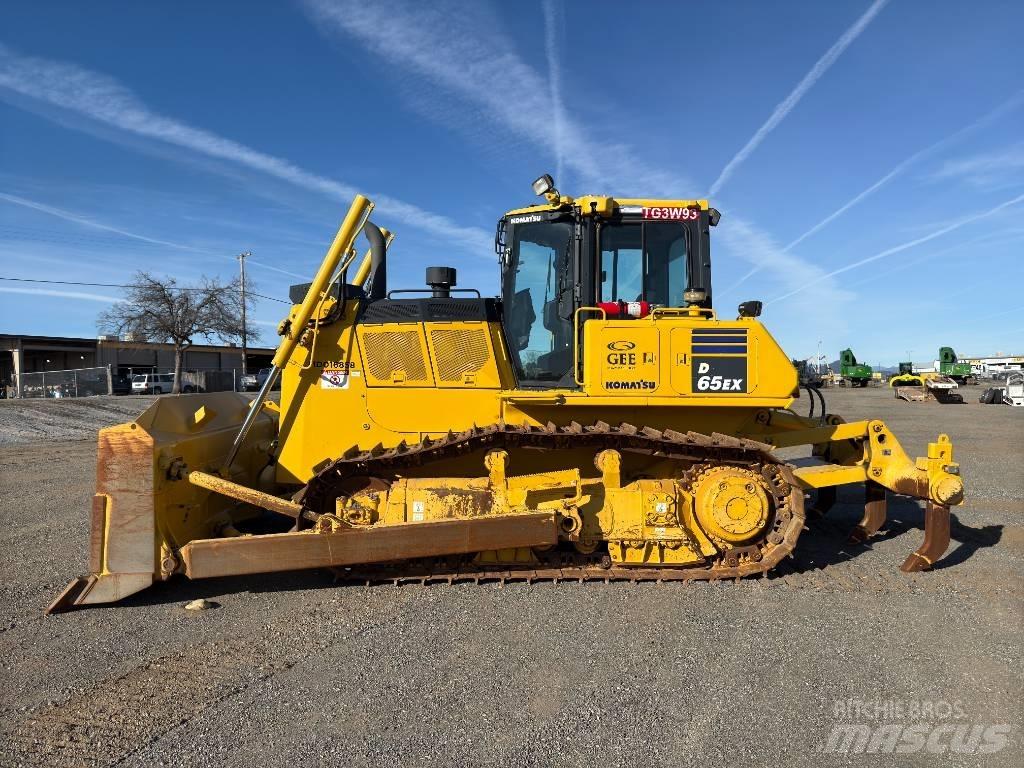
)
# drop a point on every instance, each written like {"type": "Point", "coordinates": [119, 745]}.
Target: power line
{"type": "Point", "coordinates": [121, 285]}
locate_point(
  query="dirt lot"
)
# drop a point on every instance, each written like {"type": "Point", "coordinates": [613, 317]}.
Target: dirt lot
{"type": "Point", "coordinates": [33, 420]}
{"type": "Point", "coordinates": [294, 670]}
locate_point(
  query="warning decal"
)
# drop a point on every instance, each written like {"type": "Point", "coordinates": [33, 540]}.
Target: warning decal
{"type": "Point", "coordinates": [336, 378]}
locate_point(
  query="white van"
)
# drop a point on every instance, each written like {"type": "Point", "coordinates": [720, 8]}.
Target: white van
{"type": "Point", "coordinates": [152, 383]}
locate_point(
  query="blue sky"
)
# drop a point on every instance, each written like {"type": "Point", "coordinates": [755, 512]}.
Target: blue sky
{"type": "Point", "coordinates": [868, 157]}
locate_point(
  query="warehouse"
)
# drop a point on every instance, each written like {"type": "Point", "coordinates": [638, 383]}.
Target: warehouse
{"type": "Point", "coordinates": [995, 364]}
{"type": "Point", "coordinates": [21, 355]}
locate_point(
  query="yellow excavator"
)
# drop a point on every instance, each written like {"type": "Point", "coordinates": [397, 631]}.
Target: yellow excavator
{"type": "Point", "coordinates": [598, 420]}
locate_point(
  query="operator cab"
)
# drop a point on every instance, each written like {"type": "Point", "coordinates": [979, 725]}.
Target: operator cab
{"type": "Point", "coordinates": [626, 257]}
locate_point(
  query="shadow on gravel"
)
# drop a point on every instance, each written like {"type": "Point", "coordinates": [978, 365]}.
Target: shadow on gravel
{"type": "Point", "coordinates": [826, 543]}
{"type": "Point", "coordinates": [180, 590]}
{"type": "Point", "coordinates": [971, 540]}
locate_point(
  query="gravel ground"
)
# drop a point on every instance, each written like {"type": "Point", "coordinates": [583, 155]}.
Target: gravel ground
{"type": "Point", "coordinates": [32, 419]}
{"type": "Point", "coordinates": [292, 669]}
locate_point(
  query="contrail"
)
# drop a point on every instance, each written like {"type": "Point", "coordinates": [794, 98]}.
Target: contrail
{"type": "Point", "coordinates": [62, 294]}
{"type": "Point", "coordinates": [467, 55]}
{"type": "Point", "coordinates": [68, 216]}
{"type": "Point", "coordinates": [999, 111]}
{"type": "Point", "coordinates": [786, 106]}
{"type": "Point", "coordinates": [904, 246]}
{"type": "Point", "coordinates": [1010, 104]}
{"type": "Point", "coordinates": [92, 223]}
{"type": "Point", "coordinates": [105, 100]}
{"type": "Point", "coordinates": [555, 81]}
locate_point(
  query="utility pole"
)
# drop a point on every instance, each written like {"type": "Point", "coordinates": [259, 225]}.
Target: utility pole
{"type": "Point", "coordinates": [245, 330]}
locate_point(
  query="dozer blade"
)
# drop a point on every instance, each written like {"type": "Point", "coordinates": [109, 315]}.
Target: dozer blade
{"type": "Point", "coordinates": [142, 511]}
{"type": "Point", "coordinates": [356, 546]}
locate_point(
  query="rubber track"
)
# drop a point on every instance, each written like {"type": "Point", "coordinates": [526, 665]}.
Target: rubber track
{"type": "Point", "coordinates": [692, 447]}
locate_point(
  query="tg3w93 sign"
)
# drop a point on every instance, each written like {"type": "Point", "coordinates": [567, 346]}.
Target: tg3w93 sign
{"type": "Point", "coordinates": [719, 374]}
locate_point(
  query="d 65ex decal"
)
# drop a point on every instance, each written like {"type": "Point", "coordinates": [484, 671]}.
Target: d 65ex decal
{"type": "Point", "coordinates": [719, 374]}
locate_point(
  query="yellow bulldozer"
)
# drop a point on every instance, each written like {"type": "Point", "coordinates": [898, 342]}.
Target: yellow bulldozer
{"type": "Point", "coordinates": [598, 420]}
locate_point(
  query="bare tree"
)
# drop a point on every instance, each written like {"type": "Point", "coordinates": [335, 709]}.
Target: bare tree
{"type": "Point", "coordinates": [158, 309]}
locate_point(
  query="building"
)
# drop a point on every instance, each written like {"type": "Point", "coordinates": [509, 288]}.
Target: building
{"type": "Point", "coordinates": [995, 364]}
{"type": "Point", "coordinates": [20, 355]}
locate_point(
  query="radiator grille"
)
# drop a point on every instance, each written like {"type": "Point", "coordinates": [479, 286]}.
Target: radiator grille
{"type": "Point", "coordinates": [390, 351]}
{"type": "Point", "coordinates": [459, 352]}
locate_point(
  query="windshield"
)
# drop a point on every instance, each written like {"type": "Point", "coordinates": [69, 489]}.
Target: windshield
{"type": "Point", "coordinates": [644, 262]}
{"type": "Point", "coordinates": [139, 378]}
{"type": "Point", "coordinates": [537, 296]}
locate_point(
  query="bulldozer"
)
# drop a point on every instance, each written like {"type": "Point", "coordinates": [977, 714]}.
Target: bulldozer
{"type": "Point", "coordinates": [597, 420]}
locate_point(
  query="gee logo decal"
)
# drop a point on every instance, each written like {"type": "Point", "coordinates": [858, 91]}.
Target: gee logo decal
{"type": "Point", "coordinates": [621, 346]}
{"type": "Point", "coordinates": [621, 354]}
{"type": "Point", "coordinates": [719, 374]}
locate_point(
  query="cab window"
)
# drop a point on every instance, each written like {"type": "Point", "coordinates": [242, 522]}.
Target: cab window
{"type": "Point", "coordinates": [644, 262]}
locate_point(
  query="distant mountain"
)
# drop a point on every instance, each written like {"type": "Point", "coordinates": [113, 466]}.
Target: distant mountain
{"type": "Point", "coordinates": [884, 370]}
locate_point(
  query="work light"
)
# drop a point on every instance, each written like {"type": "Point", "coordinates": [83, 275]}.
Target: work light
{"type": "Point", "coordinates": [543, 185]}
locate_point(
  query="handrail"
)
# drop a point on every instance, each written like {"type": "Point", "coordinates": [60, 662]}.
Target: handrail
{"type": "Point", "coordinates": [682, 311]}
{"type": "Point", "coordinates": [576, 340]}
{"type": "Point", "coordinates": [431, 290]}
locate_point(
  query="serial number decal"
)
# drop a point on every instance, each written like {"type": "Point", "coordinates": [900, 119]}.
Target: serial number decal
{"type": "Point", "coordinates": [672, 214]}
{"type": "Point", "coordinates": [719, 374]}
{"type": "Point", "coordinates": [642, 384]}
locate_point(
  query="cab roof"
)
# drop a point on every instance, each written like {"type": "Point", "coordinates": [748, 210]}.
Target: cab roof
{"type": "Point", "coordinates": [605, 206]}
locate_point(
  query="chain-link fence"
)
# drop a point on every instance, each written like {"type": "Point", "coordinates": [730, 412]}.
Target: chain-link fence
{"type": "Point", "coordinates": [79, 382]}
{"type": "Point", "coordinates": [85, 382]}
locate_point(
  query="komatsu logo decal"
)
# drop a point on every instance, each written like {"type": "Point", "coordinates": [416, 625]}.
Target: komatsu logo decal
{"type": "Point", "coordinates": [642, 384]}
{"type": "Point", "coordinates": [525, 219]}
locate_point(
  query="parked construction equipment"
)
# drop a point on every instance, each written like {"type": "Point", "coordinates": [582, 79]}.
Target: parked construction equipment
{"type": "Point", "coordinates": [949, 365]}
{"type": "Point", "coordinates": [1010, 393]}
{"type": "Point", "coordinates": [906, 377]}
{"type": "Point", "coordinates": [598, 420]}
{"type": "Point", "coordinates": [924, 385]}
{"type": "Point", "coordinates": [933, 387]}
{"type": "Point", "coordinates": [853, 373]}
{"type": "Point", "coordinates": [807, 376]}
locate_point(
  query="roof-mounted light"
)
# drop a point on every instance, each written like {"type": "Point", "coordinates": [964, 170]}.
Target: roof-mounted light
{"type": "Point", "coordinates": [544, 185]}
{"type": "Point", "coordinates": [750, 309]}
